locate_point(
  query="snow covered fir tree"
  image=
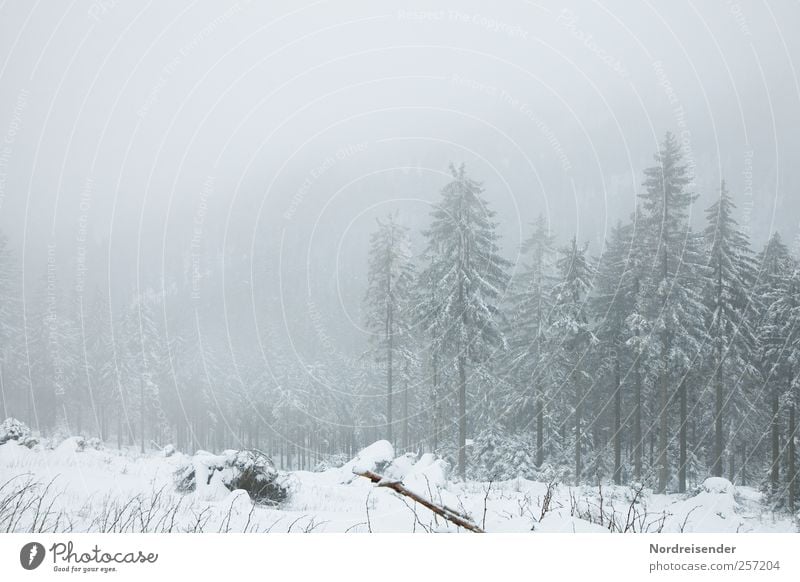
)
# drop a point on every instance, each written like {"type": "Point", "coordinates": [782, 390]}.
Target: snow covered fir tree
{"type": "Point", "coordinates": [664, 357]}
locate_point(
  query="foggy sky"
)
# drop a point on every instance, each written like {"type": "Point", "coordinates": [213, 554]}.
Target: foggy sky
{"type": "Point", "coordinates": [273, 134]}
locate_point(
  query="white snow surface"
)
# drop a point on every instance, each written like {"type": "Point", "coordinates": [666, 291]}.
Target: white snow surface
{"type": "Point", "coordinates": [121, 490]}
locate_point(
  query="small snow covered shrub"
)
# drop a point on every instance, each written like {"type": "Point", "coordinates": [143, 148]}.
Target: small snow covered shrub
{"type": "Point", "coordinates": [168, 450]}
{"type": "Point", "coordinates": [94, 443]}
{"type": "Point", "coordinates": [500, 456]}
{"type": "Point", "coordinates": [251, 471]}
{"type": "Point", "coordinates": [254, 472]}
{"type": "Point", "coordinates": [13, 430]}
{"type": "Point", "coordinates": [718, 485]}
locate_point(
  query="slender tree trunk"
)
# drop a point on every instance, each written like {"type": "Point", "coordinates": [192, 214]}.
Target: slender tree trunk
{"type": "Point", "coordinates": [617, 423]}
{"type": "Point", "coordinates": [462, 415]}
{"type": "Point", "coordinates": [141, 411]}
{"type": "Point", "coordinates": [744, 466]}
{"type": "Point", "coordinates": [718, 403]}
{"type": "Point", "coordinates": [435, 405]}
{"type": "Point", "coordinates": [792, 473]}
{"type": "Point", "coordinates": [776, 445]}
{"type": "Point", "coordinates": [539, 429]}
{"type": "Point", "coordinates": [406, 444]}
{"type": "Point", "coordinates": [682, 438]}
{"type": "Point", "coordinates": [389, 366]}
{"type": "Point", "coordinates": [578, 415]}
{"type": "Point", "coordinates": [663, 433]}
{"type": "Point", "coordinates": [638, 443]}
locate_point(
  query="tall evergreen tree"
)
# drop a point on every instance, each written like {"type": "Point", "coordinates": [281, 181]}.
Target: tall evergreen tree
{"type": "Point", "coordinates": [472, 278]}
{"type": "Point", "coordinates": [781, 344]}
{"type": "Point", "coordinates": [675, 303]}
{"type": "Point", "coordinates": [530, 308]}
{"type": "Point", "coordinates": [388, 300]}
{"type": "Point", "coordinates": [730, 314]}
{"type": "Point", "coordinates": [571, 324]}
{"type": "Point", "coordinates": [775, 266]}
{"type": "Point", "coordinates": [613, 304]}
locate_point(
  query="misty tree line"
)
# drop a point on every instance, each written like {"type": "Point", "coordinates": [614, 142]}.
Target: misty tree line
{"type": "Point", "coordinates": [672, 356]}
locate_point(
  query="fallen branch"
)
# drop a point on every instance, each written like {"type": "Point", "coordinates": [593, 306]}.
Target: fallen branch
{"type": "Point", "coordinates": [447, 513]}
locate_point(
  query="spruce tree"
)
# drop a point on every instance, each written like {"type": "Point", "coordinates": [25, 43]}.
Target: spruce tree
{"type": "Point", "coordinates": [530, 304]}
{"type": "Point", "coordinates": [613, 303]}
{"type": "Point", "coordinates": [730, 313]}
{"type": "Point", "coordinates": [471, 279]}
{"type": "Point", "coordinates": [781, 342]}
{"type": "Point", "coordinates": [775, 266]}
{"type": "Point", "coordinates": [676, 312]}
{"type": "Point", "coordinates": [388, 306]}
{"type": "Point", "coordinates": [571, 324]}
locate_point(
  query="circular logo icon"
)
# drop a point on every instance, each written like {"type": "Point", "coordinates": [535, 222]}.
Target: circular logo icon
{"type": "Point", "coordinates": [31, 555]}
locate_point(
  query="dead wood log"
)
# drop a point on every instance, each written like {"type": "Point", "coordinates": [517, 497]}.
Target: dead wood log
{"type": "Point", "coordinates": [449, 514]}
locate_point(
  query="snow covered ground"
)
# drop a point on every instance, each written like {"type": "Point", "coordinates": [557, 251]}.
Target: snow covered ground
{"type": "Point", "coordinates": [74, 488]}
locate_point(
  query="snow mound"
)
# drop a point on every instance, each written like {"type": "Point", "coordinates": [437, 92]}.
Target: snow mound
{"type": "Point", "coordinates": [427, 475]}
{"type": "Point", "coordinates": [213, 477]}
{"type": "Point", "coordinates": [718, 485]}
{"type": "Point", "coordinates": [12, 429]}
{"type": "Point", "coordinates": [71, 446]}
{"type": "Point", "coordinates": [399, 468]}
{"type": "Point", "coordinates": [376, 457]}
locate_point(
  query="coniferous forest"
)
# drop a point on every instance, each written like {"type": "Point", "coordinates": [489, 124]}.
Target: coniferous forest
{"type": "Point", "coordinates": [665, 355]}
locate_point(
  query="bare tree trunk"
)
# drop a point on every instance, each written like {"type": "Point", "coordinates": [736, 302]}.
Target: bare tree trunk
{"type": "Point", "coordinates": [638, 444]}
{"type": "Point", "coordinates": [792, 473]}
{"type": "Point", "coordinates": [449, 514]}
{"type": "Point", "coordinates": [462, 415]}
{"type": "Point", "coordinates": [578, 415]}
{"type": "Point", "coordinates": [435, 404]}
{"type": "Point", "coordinates": [718, 438]}
{"type": "Point", "coordinates": [776, 445]}
{"type": "Point", "coordinates": [539, 429]}
{"type": "Point", "coordinates": [141, 411]}
{"type": "Point", "coordinates": [682, 438]}
{"type": "Point", "coordinates": [744, 465]}
{"type": "Point", "coordinates": [617, 423]}
{"type": "Point", "coordinates": [406, 444]}
{"type": "Point", "coordinates": [663, 433]}
{"type": "Point", "coordinates": [389, 387]}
